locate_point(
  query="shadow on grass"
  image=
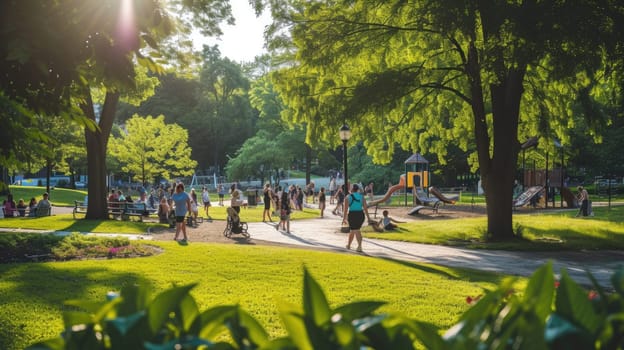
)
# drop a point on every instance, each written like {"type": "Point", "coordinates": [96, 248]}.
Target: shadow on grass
{"type": "Point", "coordinates": [45, 287]}
{"type": "Point", "coordinates": [475, 276]}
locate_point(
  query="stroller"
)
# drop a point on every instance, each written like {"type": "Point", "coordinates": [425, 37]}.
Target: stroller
{"type": "Point", "coordinates": [234, 225]}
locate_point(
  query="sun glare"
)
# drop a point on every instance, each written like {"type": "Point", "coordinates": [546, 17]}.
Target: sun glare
{"type": "Point", "coordinates": [126, 26]}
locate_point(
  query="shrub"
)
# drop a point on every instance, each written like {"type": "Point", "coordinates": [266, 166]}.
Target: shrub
{"type": "Point", "coordinates": [500, 319]}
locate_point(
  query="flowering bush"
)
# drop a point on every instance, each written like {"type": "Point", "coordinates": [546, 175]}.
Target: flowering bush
{"type": "Point", "coordinates": [17, 247]}
{"type": "Point", "coordinates": [542, 317]}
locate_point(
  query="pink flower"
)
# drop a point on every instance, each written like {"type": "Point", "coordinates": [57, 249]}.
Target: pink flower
{"type": "Point", "coordinates": [470, 300]}
{"type": "Point", "coordinates": [593, 295]}
{"type": "Point", "coordinates": [557, 283]}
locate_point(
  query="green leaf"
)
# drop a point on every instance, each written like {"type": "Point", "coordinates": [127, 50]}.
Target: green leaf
{"type": "Point", "coordinates": [125, 324]}
{"type": "Point", "coordinates": [617, 279]}
{"type": "Point", "coordinates": [212, 321]}
{"type": "Point", "coordinates": [358, 309]}
{"type": "Point", "coordinates": [257, 334]}
{"type": "Point", "coordinates": [563, 334]}
{"type": "Point", "coordinates": [426, 333]}
{"type": "Point", "coordinates": [165, 303]}
{"type": "Point", "coordinates": [72, 318]}
{"type": "Point", "coordinates": [295, 325]}
{"type": "Point", "coordinates": [315, 304]}
{"type": "Point", "coordinates": [539, 293]}
{"type": "Point", "coordinates": [188, 312]}
{"type": "Point", "coordinates": [573, 304]}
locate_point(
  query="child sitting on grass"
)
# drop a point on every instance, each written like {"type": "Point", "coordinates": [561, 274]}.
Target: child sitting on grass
{"type": "Point", "coordinates": [387, 223]}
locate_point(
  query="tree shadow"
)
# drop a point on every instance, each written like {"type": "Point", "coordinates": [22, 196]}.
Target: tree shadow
{"type": "Point", "coordinates": [45, 286]}
{"type": "Point", "coordinates": [459, 274]}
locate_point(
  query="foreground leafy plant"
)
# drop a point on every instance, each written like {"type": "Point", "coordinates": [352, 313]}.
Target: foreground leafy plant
{"type": "Point", "coordinates": [500, 319]}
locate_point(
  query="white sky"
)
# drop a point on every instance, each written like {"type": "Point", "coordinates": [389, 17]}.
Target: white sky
{"type": "Point", "coordinates": [243, 41]}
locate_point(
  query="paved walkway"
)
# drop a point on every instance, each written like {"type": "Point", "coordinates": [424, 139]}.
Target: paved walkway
{"type": "Point", "coordinates": [325, 234]}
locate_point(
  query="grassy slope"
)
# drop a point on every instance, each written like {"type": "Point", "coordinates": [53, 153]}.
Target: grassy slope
{"type": "Point", "coordinates": [58, 196]}
{"type": "Point", "coordinates": [257, 277]}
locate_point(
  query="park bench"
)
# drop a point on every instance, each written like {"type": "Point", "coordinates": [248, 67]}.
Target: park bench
{"type": "Point", "coordinates": [123, 210]}
{"type": "Point", "coordinates": [80, 207]}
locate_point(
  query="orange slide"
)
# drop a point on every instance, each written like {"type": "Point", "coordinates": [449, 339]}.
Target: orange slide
{"type": "Point", "coordinates": [391, 190]}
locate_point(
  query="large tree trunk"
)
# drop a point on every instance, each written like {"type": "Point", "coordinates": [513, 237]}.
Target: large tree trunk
{"type": "Point", "coordinates": [497, 168]}
{"type": "Point", "coordinates": [506, 96]}
{"type": "Point", "coordinates": [97, 142]}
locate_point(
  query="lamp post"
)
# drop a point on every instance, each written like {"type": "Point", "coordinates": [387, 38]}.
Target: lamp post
{"type": "Point", "coordinates": [345, 135]}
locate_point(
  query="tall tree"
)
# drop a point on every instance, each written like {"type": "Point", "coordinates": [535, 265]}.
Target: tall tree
{"type": "Point", "coordinates": [426, 73]}
{"type": "Point", "coordinates": [57, 51]}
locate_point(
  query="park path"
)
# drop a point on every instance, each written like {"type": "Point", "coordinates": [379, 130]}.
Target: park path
{"type": "Point", "coordinates": [324, 233]}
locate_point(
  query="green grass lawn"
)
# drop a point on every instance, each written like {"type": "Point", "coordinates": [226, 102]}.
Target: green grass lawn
{"type": "Point", "coordinates": [540, 231]}
{"type": "Point", "coordinates": [58, 196]}
{"type": "Point", "coordinates": [256, 277]}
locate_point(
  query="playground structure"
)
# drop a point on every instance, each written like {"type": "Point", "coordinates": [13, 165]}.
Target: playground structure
{"type": "Point", "coordinates": [448, 200]}
{"type": "Point", "coordinates": [527, 196]}
{"type": "Point", "coordinates": [548, 179]}
{"type": "Point", "coordinates": [416, 178]}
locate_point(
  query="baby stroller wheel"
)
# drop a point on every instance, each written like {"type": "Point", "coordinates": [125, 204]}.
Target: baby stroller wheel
{"type": "Point", "coordinates": [244, 229]}
{"type": "Point", "coordinates": [227, 232]}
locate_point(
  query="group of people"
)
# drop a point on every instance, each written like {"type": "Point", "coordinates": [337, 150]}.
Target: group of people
{"type": "Point", "coordinates": [34, 208]}
{"type": "Point", "coordinates": [174, 209]}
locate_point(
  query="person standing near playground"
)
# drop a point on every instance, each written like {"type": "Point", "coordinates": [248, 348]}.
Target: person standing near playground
{"type": "Point", "coordinates": [266, 198]}
{"type": "Point", "coordinates": [206, 200]}
{"type": "Point", "coordinates": [355, 209]}
{"type": "Point", "coordinates": [322, 200]}
{"type": "Point", "coordinates": [182, 206]}
{"type": "Point", "coordinates": [221, 191]}
{"type": "Point", "coordinates": [583, 197]}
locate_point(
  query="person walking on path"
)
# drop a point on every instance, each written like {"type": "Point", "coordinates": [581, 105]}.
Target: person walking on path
{"type": "Point", "coordinates": [236, 200]}
{"type": "Point", "coordinates": [284, 213]}
{"type": "Point", "coordinates": [332, 189]}
{"type": "Point", "coordinates": [182, 206]}
{"type": "Point", "coordinates": [206, 200]}
{"type": "Point", "coordinates": [322, 201]}
{"type": "Point", "coordinates": [355, 209]}
{"type": "Point", "coordinates": [339, 201]}
{"type": "Point", "coordinates": [267, 196]}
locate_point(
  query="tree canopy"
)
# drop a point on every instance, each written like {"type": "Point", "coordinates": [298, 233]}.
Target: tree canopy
{"type": "Point", "coordinates": [423, 74]}
{"type": "Point", "coordinates": [150, 149]}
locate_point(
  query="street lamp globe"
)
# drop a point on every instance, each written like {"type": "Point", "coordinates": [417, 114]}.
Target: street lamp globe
{"type": "Point", "coordinates": [345, 133]}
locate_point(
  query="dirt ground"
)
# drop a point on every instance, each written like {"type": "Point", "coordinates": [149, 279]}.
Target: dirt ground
{"type": "Point", "coordinates": [213, 231]}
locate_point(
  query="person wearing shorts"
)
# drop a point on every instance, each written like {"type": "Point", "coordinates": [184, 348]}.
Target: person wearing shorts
{"type": "Point", "coordinates": [355, 210]}
{"type": "Point", "coordinates": [206, 200]}
{"type": "Point", "coordinates": [182, 206]}
{"type": "Point", "coordinates": [267, 196]}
